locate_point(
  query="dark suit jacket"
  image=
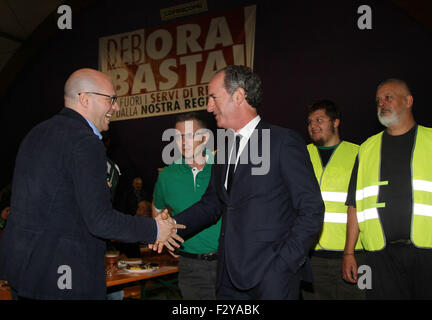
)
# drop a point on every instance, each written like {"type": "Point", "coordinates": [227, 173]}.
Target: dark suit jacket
{"type": "Point", "coordinates": [60, 211]}
{"type": "Point", "coordinates": [266, 217]}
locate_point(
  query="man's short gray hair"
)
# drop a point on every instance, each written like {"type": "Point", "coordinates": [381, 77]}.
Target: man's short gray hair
{"type": "Point", "coordinates": [396, 81]}
{"type": "Point", "coordinates": [243, 77]}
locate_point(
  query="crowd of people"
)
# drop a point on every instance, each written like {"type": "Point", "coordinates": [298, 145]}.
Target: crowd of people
{"type": "Point", "coordinates": [299, 230]}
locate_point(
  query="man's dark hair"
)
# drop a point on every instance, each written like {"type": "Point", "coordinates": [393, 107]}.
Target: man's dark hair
{"type": "Point", "coordinates": [202, 123]}
{"type": "Point", "coordinates": [331, 109]}
{"type": "Point", "coordinates": [243, 77]}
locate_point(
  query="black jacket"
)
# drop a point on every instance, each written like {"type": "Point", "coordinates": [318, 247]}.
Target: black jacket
{"type": "Point", "coordinates": [61, 212]}
{"type": "Point", "coordinates": [267, 219]}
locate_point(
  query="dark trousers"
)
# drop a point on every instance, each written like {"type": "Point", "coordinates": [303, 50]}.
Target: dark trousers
{"type": "Point", "coordinates": [277, 284]}
{"type": "Point", "coordinates": [197, 279]}
{"type": "Point", "coordinates": [400, 271]}
{"type": "Point", "coordinates": [328, 282]}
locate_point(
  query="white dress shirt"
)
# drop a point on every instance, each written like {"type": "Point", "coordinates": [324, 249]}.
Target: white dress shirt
{"type": "Point", "coordinates": [245, 132]}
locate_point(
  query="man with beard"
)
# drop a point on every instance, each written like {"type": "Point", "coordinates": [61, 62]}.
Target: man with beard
{"type": "Point", "coordinates": [392, 192]}
{"type": "Point", "coordinates": [333, 161]}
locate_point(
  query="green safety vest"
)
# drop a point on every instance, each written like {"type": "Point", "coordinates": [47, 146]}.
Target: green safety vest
{"type": "Point", "coordinates": [368, 185]}
{"type": "Point", "coordinates": [334, 179]}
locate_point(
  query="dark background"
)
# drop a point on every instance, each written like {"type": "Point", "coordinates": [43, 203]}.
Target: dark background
{"type": "Point", "coordinates": [304, 50]}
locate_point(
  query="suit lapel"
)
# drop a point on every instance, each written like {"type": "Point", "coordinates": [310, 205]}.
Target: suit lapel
{"type": "Point", "coordinates": [243, 170]}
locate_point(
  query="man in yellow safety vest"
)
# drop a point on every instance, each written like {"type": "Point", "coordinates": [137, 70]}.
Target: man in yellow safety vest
{"type": "Point", "coordinates": [390, 199]}
{"type": "Point", "coordinates": [333, 161]}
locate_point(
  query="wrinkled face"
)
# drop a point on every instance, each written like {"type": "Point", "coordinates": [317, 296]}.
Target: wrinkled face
{"type": "Point", "coordinates": [221, 103]}
{"type": "Point", "coordinates": [392, 104]}
{"type": "Point", "coordinates": [100, 109]}
{"type": "Point", "coordinates": [137, 184]}
{"type": "Point", "coordinates": [321, 128]}
{"type": "Point", "coordinates": [190, 139]}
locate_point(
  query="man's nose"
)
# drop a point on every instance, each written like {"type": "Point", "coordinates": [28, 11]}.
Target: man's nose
{"type": "Point", "coordinates": [381, 103]}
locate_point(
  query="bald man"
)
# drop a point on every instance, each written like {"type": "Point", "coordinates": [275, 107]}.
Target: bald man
{"type": "Point", "coordinates": [390, 202]}
{"type": "Point", "coordinates": [53, 247]}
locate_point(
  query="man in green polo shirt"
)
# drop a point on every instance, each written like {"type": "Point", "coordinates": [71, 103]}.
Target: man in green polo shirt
{"type": "Point", "coordinates": [178, 187]}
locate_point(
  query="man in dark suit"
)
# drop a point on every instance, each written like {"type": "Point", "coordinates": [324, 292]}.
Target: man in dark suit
{"type": "Point", "coordinates": [271, 215]}
{"type": "Point", "coordinates": [53, 247]}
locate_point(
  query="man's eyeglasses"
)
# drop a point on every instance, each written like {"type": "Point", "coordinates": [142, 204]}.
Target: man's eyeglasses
{"type": "Point", "coordinates": [113, 98]}
{"type": "Point", "coordinates": [317, 120]}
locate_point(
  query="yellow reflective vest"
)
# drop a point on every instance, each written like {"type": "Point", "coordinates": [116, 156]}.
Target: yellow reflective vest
{"type": "Point", "coordinates": [368, 185]}
{"type": "Point", "coordinates": [334, 179]}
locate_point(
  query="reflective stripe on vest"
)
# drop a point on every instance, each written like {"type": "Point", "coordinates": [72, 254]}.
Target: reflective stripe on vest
{"type": "Point", "coordinates": [334, 181]}
{"type": "Point", "coordinates": [368, 184]}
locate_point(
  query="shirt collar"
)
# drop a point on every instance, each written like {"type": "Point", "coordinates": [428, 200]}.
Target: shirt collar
{"type": "Point", "coordinates": [95, 130]}
{"type": "Point", "coordinates": [248, 129]}
{"type": "Point", "coordinates": [209, 161]}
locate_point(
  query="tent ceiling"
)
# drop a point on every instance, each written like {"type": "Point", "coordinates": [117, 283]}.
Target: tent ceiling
{"type": "Point", "coordinates": [19, 19]}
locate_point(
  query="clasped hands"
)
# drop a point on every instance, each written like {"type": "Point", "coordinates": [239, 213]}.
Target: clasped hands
{"type": "Point", "coordinates": [167, 236]}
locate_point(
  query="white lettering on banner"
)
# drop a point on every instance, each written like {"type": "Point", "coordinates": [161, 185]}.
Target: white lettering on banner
{"type": "Point", "coordinates": [187, 36]}
{"type": "Point", "coordinates": [219, 33]}
{"type": "Point", "coordinates": [177, 60]}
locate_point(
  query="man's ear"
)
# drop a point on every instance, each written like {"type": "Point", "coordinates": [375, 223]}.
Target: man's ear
{"type": "Point", "coordinates": [206, 136]}
{"type": "Point", "coordinates": [336, 123]}
{"type": "Point", "coordinates": [83, 99]}
{"type": "Point", "coordinates": [410, 100]}
{"type": "Point", "coordinates": [239, 96]}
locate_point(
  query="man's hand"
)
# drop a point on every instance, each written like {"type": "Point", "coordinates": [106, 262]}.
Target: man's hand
{"type": "Point", "coordinates": [167, 232]}
{"type": "Point", "coordinates": [349, 268]}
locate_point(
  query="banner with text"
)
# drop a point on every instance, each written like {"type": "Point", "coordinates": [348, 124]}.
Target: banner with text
{"type": "Point", "coordinates": [165, 70]}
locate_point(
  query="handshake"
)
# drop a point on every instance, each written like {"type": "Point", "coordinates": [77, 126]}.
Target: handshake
{"type": "Point", "coordinates": [167, 236]}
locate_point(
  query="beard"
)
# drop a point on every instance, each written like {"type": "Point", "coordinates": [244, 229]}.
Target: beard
{"type": "Point", "coordinates": [389, 120]}
{"type": "Point", "coordinates": [321, 141]}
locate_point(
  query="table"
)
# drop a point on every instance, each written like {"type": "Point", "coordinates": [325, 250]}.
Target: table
{"type": "Point", "coordinates": [161, 276]}
{"type": "Point", "coordinates": [123, 276]}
